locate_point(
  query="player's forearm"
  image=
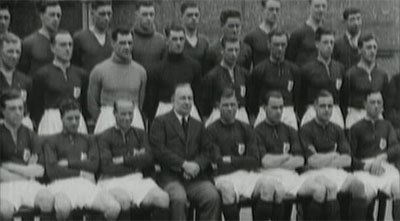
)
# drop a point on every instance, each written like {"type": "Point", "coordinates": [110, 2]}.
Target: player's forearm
{"type": "Point", "coordinates": [34, 170]}
{"type": "Point", "coordinates": [341, 161]}
{"type": "Point", "coordinates": [8, 176]}
{"type": "Point", "coordinates": [293, 162]}
{"type": "Point", "coordinates": [320, 160]}
{"type": "Point", "coordinates": [273, 161]}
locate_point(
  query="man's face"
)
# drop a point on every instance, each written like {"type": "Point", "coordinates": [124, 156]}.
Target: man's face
{"type": "Point", "coordinates": [369, 50]}
{"type": "Point", "coordinates": [272, 11]}
{"type": "Point", "coordinates": [70, 121]}
{"type": "Point", "coordinates": [102, 17]}
{"type": "Point", "coordinates": [278, 46]}
{"type": "Point", "coordinates": [318, 9]}
{"type": "Point", "coordinates": [325, 45]}
{"type": "Point", "coordinates": [183, 100]}
{"type": "Point", "coordinates": [5, 18]}
{"type": "Point", "coordinates": [62, 47]}
{"type": "Point", "coordinates": [51, 18]}
{"type": "Point", "coordinates": [124, 114]}
{"type": "Point", "coordinates": [323, 108]}
{"type": "Point", "coordinates": [232, 27]}
{"type": "Point", "coordinates": [13, 112]}
{"type": "Point", "coordinates": [176, 42]}
{"type": "Point", "coordinates": [10, 54]}
{"type": "Point", "coordinates": [145, 15]}
{"type": "Point", "coordinates": [123, 46]}
{"type": "Point", "coordinates": [353, 23]}
{"type": "Point", "coordinates": [230, 52]}
{"type": "Point", "coordinates": [191, 18]}
{"type": "Point", "coordinates": [228, 108]}
{"type": "Point", "coordinates": [374, 105]}
{"type": "Point", "coordinates": [274, 109]}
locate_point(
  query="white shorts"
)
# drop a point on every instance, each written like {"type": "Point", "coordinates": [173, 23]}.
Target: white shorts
{"type": "Point", "coordinates": [134, 184]}
{"type": "Point", "coordinates": [241, 115]}
{"type": "Point", "coordinates": [337, 116]}
{"type": "Point", "coordinates": [288, 117]}
{"type": "Point", "coordinates": [51, 123]}
{"type": "Point", "coordinates": [106, 119]}
{"type": "Point", "coordinates": [388, 182]}
{"type": "Point", "coordinates": [243, 182]}
{"type": "Point", "coordinates": [290, 180]}
{"type": "Point", "coordinates": [20, 193]}
{"type": "Point", "coordinates": [164, 108]}
{"type": "Point", "coordinates": [335, 176]}
{"type": "Point", "coordinates": [80, 191]}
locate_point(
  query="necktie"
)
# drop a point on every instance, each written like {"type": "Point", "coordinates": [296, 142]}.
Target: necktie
{"type": "Point", "coordinates": [184, 125]}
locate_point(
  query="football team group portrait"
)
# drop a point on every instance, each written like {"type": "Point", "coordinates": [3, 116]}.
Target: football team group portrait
{"type": "Point", "coordinates": [199, 110]}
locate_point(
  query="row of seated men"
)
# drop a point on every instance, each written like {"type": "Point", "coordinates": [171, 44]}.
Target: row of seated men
{"type": "Point", "coordinates": [144, 66]}
{"type": "Point", "coordinates": [211, 168]}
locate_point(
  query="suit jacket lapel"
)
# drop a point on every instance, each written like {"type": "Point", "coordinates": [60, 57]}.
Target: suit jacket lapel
{"type": "Point", "coordinates": [177, 126]}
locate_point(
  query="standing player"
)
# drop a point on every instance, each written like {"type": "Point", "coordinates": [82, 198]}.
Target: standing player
{"type": "Point", "coordinates": [231, 24]}
{"type": "Point", "coordinates": [55, 82]}
{"type": "Point", "coordinates": [21, 159]}
{"type": "Point", "coordinates": [257, 39]}
{"type": "Point", "coordinates": [117, 77]}
{"type": "Point", "coordinates": [393, 113]}
{"type": "Point", "coordinates": [226, 74]}
{"type": "Point", "coordinates": [36, 50]}
{"type": "Point", "coordinates": [5, 18]}
{"type": "Point", "coordinates": [10, 77]}
{"type": "Point", "coordinates": [346, 48]}
{"type": "Point", "coordinates": [301, 47]}
{"type": "Point", "coordinates": [196, 44]}
{"type": "Point", "coordinates": [322, 73]}
{"type": "Point", "coordinates": [375, 148]}
{"type": "Point", "coordinates": [275, 73]}
{"type": "Point", "coordinates": [125, 154]}
{"type": "Point", "coordinates": [72, 159]}
{"type": "Point", "coordinates": [362, 78]}
{"type": "Point", "coordinates": [182, 148]}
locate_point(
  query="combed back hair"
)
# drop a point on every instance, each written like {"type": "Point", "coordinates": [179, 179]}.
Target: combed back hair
{"type": "Point", "coordinates": [350, 11]}
{"type": "Point", "coordinates": [115, 104]}
{"type": "Point", "coordinates": [144, 3]}
{"type": "Point", "coordinates": [43, 4]}
{"type": "Point", "coordinates": [277, 32]}
{"type": "Point", "coordinates": [99, 3]}
{"type": "Point", "coordinates": [68, 104]}
{"type": "Point", "coordinates": [9, 37]}
{"type": "Point", "coordinates": [323, 31]}
{"type": "Point", "coordinates": [264, 2]}
{"type": "Point", "coordinates": [229, 13]}
{"type": "Point", "coordinates": [120, 31]}
{"type": "Point", "coordinates": [181, 85]}
{"type": "Point", "coordinates": [7, 95]}
{"type": "Point", "coordinates": [269, 94]}
{"type": "Point", "coordinates": [173, 26]}
{"type": "Point", "coordinates": [322, 94]}
{"type": "Point", "coordinates": [365, 38]}
{"type": "Point", "coordinates": [225, 40]}
{"type": "Point", "coordinates": [188, 4]}
{"type": "Point", "coordinates": [59, 32]}
{"type": "Point", "coordinates": [369, 93]}
{"type": "Point", "coordinates": [227, 92]}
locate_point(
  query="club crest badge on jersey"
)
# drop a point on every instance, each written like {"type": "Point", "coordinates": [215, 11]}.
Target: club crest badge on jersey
{"type": "Point", "coordinates": [23, 94]}
{"type": "Point", "coordinates": [382, 144]}
{"type": "Point", "coordinates": [338, 83]}
{"type": "Point", "coordinates": [290, 85]}
{"type": "Point", "coordinates": [83, 156]}
{"type": "Point", "coordinates": [241, 149]}
{"type": "Point", "coordinates": [26, 155]}
{"type": "Point", "coordinates": [77, 92]}
{"type": "Point", "coordinates": [242, 91]}
{"type": "Point", "coordinates": [286, 147]}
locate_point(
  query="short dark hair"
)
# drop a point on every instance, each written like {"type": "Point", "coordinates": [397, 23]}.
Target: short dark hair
{"type": "Point", "coordinates": [180, 85]}
{"type": "Point", "coordinates": [68, 104]}
{"type": "Point", "coordinates": [99, 3]}
{"type": "Point", "coordinates": [144, 3]}
{"type": "Point", "coordinates": [229, 13]}
{"type": "Point", "coordinates": [115, 103]}
{"type": "Point", "coordinates": [365, 38]}
{"type": "Point", "coordinates": [173, 26]}
{"type": "Point", "coordinates": [43, 4]}
{"type": "Point", "coordinates": [8, 37]}
{"type": "Point", "coordinates": [267, 96]}
{"type": "Point", "coordinates": [323, 31]}
{"type": "Point", "coordinates": [369, 93]}
{"type": "Point", "coordinates": [224, 40]}
{"type": "Point", "coordinates": [350, 11]}
{"type": "Point", "coordinates": [188, 4]}
{"type": "Point", "coordinates": [9, 94]}
{"type": "Point", "coordinates": [227, 92]}
{"type": "Point", "coordinates": [5, 6]}
{"type": "Point", "coordinates": [277, 32]}
{"type": "Point", "coordinates": [264, 2]}
{"type": "Point", "coordinates": [322, 93]}
{"type": "Point", "coordinates": [59, 32]}
{"type": "Point", "coordinates": [121, 31]}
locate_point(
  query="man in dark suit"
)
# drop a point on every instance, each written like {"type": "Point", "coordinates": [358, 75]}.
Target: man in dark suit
{"type": "Point", "coordinates": [182, 148]}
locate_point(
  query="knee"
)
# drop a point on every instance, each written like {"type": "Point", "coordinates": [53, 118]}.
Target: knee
{"type": "Point", "coordinates": [159, 198]}
{"type": "Point", "coordinates": [178, 197]}
{"type": "Point", "coordinates": [112, 210]}
{"type": "Point", "coordinates": [212, 197]}
{"type": "Point", "coordinates": [265, 189]}
{"type": "Point", "coordinates": [44, 200]}
{"type": "Point", "coordinates": [319, 193]}
{"type": "Point", "coordinates": [122, 197]}
{"type": "Point", "coordinates": [227, 192]}
{"type": "Point", "coordinates": [6, 210]}
{"type": "Point", "coordinates": [357, 189]}
{"type": "Point", "coordinates": [62, 206]}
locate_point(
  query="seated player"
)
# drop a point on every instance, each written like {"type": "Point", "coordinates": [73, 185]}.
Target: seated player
{"type": "Point", "coordinates": [236, 156]}
{"type": "Point", "coordinates": [125, 153]}
{"type": "Point", "coordinates": [20, 161]}
{"type": "Point", "coordinates": [328, 153]}
{"type": "Point", "coordinates": [375, 148]}
{"type": "Point", "coordinates": [71, 161]}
